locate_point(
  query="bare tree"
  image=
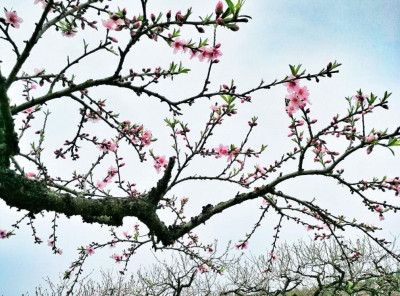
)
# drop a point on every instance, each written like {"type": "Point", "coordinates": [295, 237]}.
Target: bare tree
{"type": "Point", "coordinates": [313, 268]}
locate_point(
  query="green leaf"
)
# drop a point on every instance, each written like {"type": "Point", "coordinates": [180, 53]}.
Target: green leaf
{"type": "Point", "coordinates": [292, 70]}
{"type": "Point", "coordinates": [238, 5]}
{"type": "Point", "coordinates": [227, 12]}
{"type": "Point", "coordinates": [225, 99]}
{"type": "Point", "coordinates": [394, 142]}
{"type": "Point", "coordinates": [231, 6]}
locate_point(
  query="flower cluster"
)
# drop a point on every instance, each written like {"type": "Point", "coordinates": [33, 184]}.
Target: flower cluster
{"type": "Point", "coordinates": [203, 268]}
{"type": "Point", "coordinates": [209, 53]}
{"type": "Point", "coordinates": [297, 96]}
{"type": "Point", "coordinates": [160, 161]}
{"type": "Point", "coordinates": [112, 172]}
{"type": "Point", "coordinates": [108, 146]}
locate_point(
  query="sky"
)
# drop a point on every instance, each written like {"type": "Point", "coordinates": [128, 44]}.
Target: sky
{"type": "Point", "coordinates": [362, 35]}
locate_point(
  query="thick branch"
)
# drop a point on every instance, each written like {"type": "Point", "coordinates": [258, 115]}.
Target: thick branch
{"type": "Point", "coordinates": [31, 195]}
{"type": "Point", "coordinates": [158, 192]}
{"type": "Point", "coordinates": [8, 137]}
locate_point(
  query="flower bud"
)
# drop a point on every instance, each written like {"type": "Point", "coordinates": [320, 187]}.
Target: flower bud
{"type": "Point", "coordinates": [113, 39]}
{"type": "Point", "coordinates": [220, 21]}
{"type": "Point", "coordinates": [234, 28]}
{"type": "Point", "coordinates": [179, 16]}
{"type": "Point", "coordinates": [219, 8]}
{"type": "Point", "coordinates": [329, 65]}
{"type": "Point", "coordinates": [200, 29]}
{"type": "Point", "coordinates": [124, 11]}
{"type": "Point", "coordinates": [169, 14]}
{"type": "Point", "coordinates": [153, 17]}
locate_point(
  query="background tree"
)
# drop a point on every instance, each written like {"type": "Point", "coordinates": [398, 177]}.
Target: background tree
{"type": "Point", "coordinates": [86, 194]}
{"type": "Point", "coordinates": [305, 268]}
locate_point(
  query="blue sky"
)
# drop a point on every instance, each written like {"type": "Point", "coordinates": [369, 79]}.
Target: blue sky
{"type": "Point", "coordinates": [362, 35]}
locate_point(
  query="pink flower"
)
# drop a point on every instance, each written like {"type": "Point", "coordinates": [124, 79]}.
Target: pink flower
{"type": "Point", "coordinates": [222, 150]}
{"type": "Point", "coordinates": [111, 24]}
{"type": "Point", "coordinates": [214, 107]}
{"type": "Point", "coordinates": [13, 19]}
{"type": "Point", "coordinates": [203, 268]}
{"type": "Point", "coordinates": [112, 171]}
{"type": "Point", "coordinates": [291, 108]}
{"type": "Point", "coordinates": [30, 175]}
{"type": "Point", "coordinates": [125, 233]}
{"type": "Point", "coordinates": [265, 202]}
{"type": "Point", "coordinates": [117, 257]}
{"type": "Point", "coordinates": [69, 33]}
{"type": "Point", "coordinates": [260, 169]}
{"type": "Point", "coordinates": [381, 217]}
{"type": "Point", "coordinates": [92, 117]}
{"type": "Point", "coordinates": [50, 243]}
{"type": "Point", "coordinates": [60, 252]}
{"type": "Point", "coordinates": [370, 138]}
{"type": "Point", "coordinates": [362, 99]}
{"type": "Point", "coordinates": [159, 161]}
{"type": "Point", "coordinates": [303, 94]}
{"type": "Point", "coordinates": [205, 53]}
{"type": "Point", "coordinates": [292, 86]}
{"type": "Point", "coordinates": [41, 1]}
{"type": "Point", "coordinates": [29, 110]}
{"type": "Point", "coordinates": [178, 44]}
{"type": "Point", "coordinates": [274, 257]}
{"type": "Point", "coordinates": [89, 251]}
{"type": "Point", "coordinates": [101, 184]}
{"type": "Point", "coordinates": [379, 208]}
{"type": "Point", "coordinates": [215, 53]}
{"type": "Point", "coordinates": [146, 138]}
{"type": "Point", "coordinates": [44, 4]}
{"type": "Point", "coordinates": [108, 146]}
{"type": "Point", "coordinates": [193, 53]}
{"type": "Point", "coordinates": [233, 154]}
{"type": "Point", "coordinates": [242, 246]}
{"type": "Point", "coordinates": [294, 100]}
{"type": "Point", "coordinates": [3, 233]}
{"type": "Point", "coordinates": [38, 71]}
